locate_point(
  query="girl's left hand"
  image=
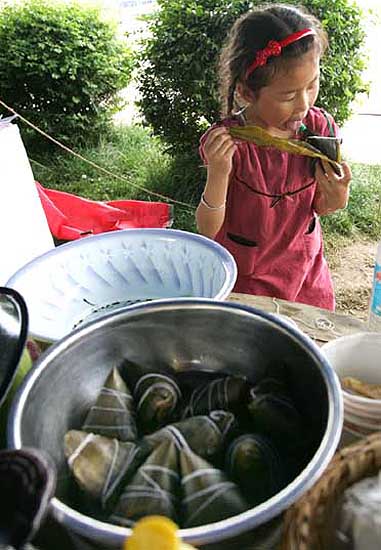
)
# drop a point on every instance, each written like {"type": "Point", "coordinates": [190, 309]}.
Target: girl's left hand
{"type": "Point", "coordinates": [333, 190]}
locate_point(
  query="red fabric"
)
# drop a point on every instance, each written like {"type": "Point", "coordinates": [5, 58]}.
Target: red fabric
{"type": "Point", "coordinates": [271, 240]}
{"type": "Point", "coordinates": [71, 217]}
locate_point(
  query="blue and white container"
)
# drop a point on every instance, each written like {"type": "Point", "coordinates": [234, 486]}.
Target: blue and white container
{"type": "Point", "coordinates": [375, 299]}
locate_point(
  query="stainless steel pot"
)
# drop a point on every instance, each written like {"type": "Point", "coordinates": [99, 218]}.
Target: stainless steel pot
{"type": "Point", "coordinates": [184, 333]}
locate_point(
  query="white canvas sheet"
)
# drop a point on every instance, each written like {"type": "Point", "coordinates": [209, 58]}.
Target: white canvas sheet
{"type": "Point", "coordinates": [24, 231]}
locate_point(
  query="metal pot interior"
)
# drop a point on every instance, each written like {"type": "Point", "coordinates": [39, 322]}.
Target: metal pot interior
{"type": "Point", "coordinates": [187, 334]}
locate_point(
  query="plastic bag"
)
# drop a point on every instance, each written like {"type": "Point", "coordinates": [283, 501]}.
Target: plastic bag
{"type": "Point", "coordinates": [360, 520]}
{"type": "Point", "coordinates": [72, 217]}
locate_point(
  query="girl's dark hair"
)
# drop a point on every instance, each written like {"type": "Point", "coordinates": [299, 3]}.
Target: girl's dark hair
{"type": "Point", "coordinates": [251, 33]}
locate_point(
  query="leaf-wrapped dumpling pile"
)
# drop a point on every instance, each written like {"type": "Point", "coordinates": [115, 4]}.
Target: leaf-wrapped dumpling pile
{"type": "Point", "coordinates": [154, 490]}
{"type": "Point", "coordinates": [113, 413]}
{"type": "Point", "coordinates": [101, 465]}
{"type": "Point", "coordinates": [190, 380]}
{"type": "Point", "coordinates": [229, 393]}
{"type": "Point", "coordinates": [157, 396]}
{"type": "Point", "coordinates": [205, 435]}
{"type": "Point", "coordinates": [201, 469]}
{"type": "Point", "coordinates": [254, 463]}
{"type": "Point", "coordinates": [274, 415]}
{"type": "Point", "coordinates": [207, 494]}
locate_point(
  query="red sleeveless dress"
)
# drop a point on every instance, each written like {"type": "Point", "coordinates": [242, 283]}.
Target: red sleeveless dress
{"type": "Point", "coordinates": [270, 226]}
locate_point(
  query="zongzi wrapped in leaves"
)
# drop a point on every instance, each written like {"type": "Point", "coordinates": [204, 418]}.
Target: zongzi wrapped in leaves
{"type": "Point", "coordinates": [208, 496]}
{"type": "Point", "coordinates": [206, 435]}
{"type": "Point", "coordinates": [318, 147]}
{"type": "Point", "coordinates": [157, 396]}
{"type": "Point", "coordinates": [270, 384]}
{"type": "Point", "coordinates": [276, 417]}
{"type": "Point", "coordinates": [275, 386]}
{"type": "Point", "coordinates": [191, 379]}
{"type": "Point", "coordinates": [100, 465]}
{"type": "Point", "coordinates": [330, 146]}
{"type": "Point", "coordinates": [274, 414]}
{"type": "Point", "coordinates": [327, 145]}
{"type": "Point", "coordinates": [254, 463]}
{"type": "Point", "coordinates": [132, 372]}
{"type": "Point", "coordinates": [154, 490]}
{"type": "Point", "coordinates": [229, 393]}
{"type": "Point", "coordinates": [113, 414]}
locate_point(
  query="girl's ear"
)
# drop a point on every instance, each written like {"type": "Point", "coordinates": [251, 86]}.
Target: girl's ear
{"type": "Point", "coordinates": [244, 92]}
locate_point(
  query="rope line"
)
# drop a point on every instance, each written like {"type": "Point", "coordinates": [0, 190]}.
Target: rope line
{"type": "Point", "coordinates": [320, 323]}
{"type": "Point", "coordinates": [93, 164]}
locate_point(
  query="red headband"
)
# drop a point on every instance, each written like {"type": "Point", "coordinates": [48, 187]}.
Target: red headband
{"type": "Point", "coordinates": [274, 48]}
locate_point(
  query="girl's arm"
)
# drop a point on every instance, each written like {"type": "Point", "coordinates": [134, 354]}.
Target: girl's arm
{"type": "Point", "coordinates": [210, 213]}
{"type": "Point", "coordinates": [332, 192]}
{"type": "Point", "coordinates": [219, 149]}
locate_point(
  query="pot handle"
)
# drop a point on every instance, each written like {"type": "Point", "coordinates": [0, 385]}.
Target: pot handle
{"type": "Point", "coordinates": [13, 334]}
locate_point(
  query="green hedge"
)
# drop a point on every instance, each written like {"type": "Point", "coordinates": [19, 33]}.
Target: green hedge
{"type": "Point", "coordinates": [61, 66]}
{"type": "Point", "coordinates": [178, 82]}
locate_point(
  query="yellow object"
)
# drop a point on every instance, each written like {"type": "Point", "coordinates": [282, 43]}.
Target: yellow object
{"type": "Point", "coordinates": [262, 138]}
{"type": "Point", "coordinates": [372, 391]}
{"type": "Point", "coordinates": [155, 533]}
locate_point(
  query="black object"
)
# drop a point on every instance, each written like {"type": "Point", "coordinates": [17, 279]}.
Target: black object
{"type": "Point", "coordinates": [328, 145]}
{"type": "Point", "coordinates": [27, 483]}
{"type": "Point", "coordinates": [13, 335]}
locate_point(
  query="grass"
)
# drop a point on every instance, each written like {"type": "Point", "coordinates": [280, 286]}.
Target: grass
{"type": "Point", "coordinates": [130, 152]}
{"type": "Point", "coordinates": [133, 153]}
{"type": "Point", "coordinates": [363, 213]}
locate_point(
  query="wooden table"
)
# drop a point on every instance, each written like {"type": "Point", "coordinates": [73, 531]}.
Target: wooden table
{"type": "Point", "coordinates": [320, 324]}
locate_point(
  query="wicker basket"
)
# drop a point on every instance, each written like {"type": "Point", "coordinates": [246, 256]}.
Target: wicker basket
{"type": "Point", "coordinates": [309, 523]}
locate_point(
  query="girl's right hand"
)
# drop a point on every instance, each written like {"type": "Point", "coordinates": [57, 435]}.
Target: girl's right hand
{"type": "Point", "coordinates": [219, 149]}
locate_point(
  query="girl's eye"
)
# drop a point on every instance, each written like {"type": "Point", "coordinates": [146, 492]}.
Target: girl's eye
{"type": "Point", "coordinates": [287, 99]}
{"type": "Point", "coordinates": [314, 84]}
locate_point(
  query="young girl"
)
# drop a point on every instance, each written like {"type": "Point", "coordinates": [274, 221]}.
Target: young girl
{"type": "Point", "coordinates": [263, 204]}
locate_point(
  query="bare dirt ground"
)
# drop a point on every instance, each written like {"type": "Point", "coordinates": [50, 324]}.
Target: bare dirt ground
{"type": "Point", "coordinates": [351, 265]}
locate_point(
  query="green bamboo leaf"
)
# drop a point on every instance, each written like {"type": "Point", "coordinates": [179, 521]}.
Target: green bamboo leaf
{"type": "Point", "coordinates": [260, 137]}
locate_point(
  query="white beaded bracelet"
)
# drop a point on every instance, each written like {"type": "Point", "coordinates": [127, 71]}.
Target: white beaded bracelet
{"type": "Point", "coordinates": [208, 206]}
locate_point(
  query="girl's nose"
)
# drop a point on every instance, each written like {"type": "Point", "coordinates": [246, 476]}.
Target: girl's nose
{"type": "Point", "coordinates": [303, 104]}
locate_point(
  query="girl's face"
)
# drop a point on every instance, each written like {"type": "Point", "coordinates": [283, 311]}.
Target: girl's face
{"type": "Point", "coordinates": [281, 106]}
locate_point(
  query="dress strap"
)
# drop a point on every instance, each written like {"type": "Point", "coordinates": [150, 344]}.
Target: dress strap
{"type": "Point", "coordinates": [279, 196]}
